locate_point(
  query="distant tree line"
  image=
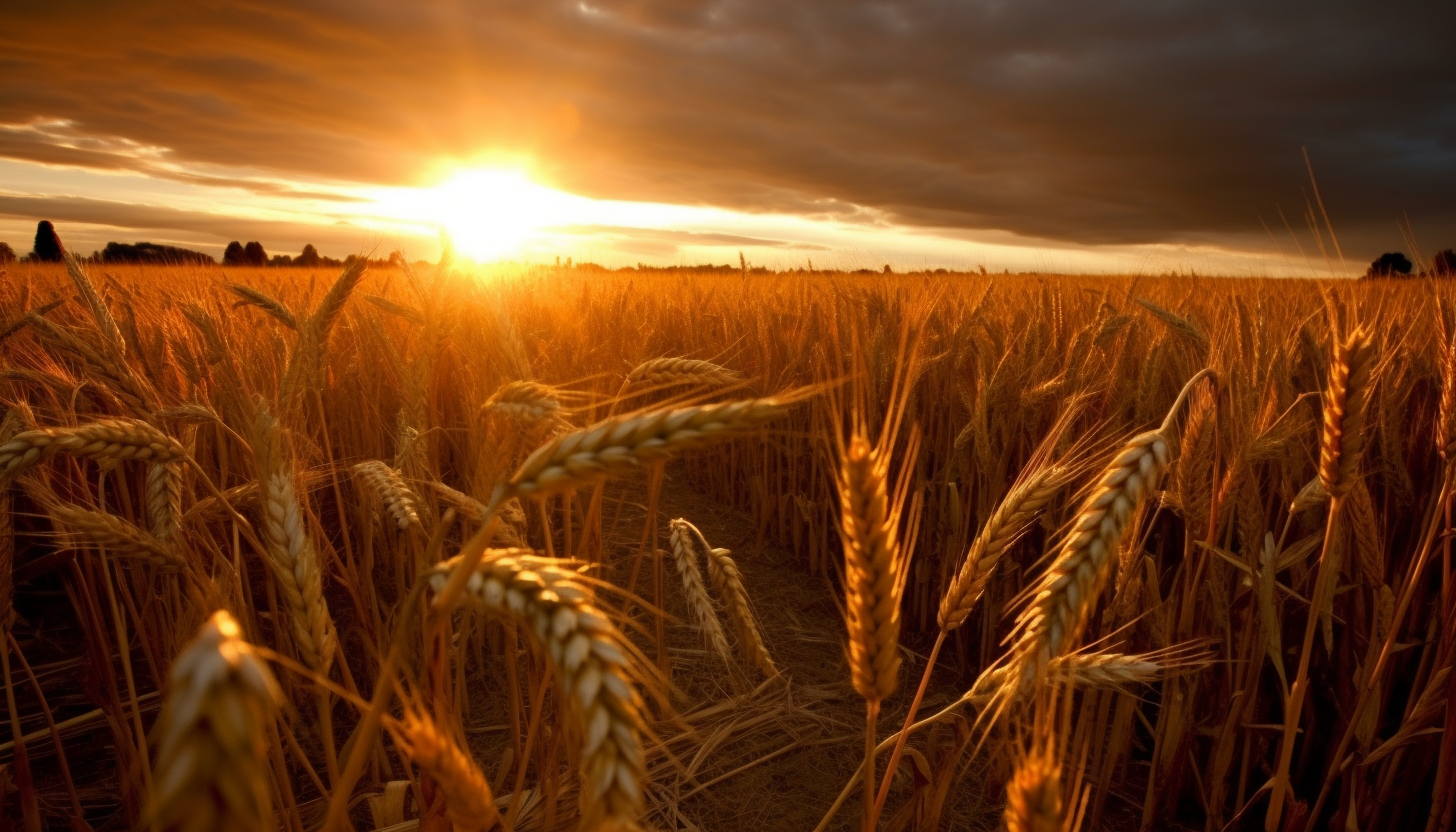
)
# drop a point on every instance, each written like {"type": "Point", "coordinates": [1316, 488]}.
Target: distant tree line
{"type": "Point", "coordinates": [47, 248]}
{"type": "Point", "coordinates": [1396, 264]}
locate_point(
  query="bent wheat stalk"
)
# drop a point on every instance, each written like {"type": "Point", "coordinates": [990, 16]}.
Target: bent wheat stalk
{"type": "Point", "coordinates": [622, 444]}
{"type": "Point", "coordinates": [1067, 592]}
{"type": "Point", "coordinates": [117, 536]}
{"type": "Point", "coordinates": [108, 441]}
{"type": "Point", "coordinates": [612, 447]}
{"type": "Point", "coordinates": [664, 371]}
{"type": "Point", "coordinates": [399, 499]}
{"type": "Point", "coordinates": [594, 665]}
{"type": "Point", "coordinates": [728, 583]}
{"type": "Point", "coordinates": [1088, 670]}
{"type": "Point", "coordinates": [685, 557]}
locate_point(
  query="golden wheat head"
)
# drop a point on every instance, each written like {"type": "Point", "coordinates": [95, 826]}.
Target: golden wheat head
{"type": "Point", "coordinates": [211, 771]}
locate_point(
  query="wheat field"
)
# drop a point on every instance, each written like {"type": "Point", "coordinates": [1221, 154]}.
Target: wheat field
{"type": "Point", "coordinates": [542, 548]}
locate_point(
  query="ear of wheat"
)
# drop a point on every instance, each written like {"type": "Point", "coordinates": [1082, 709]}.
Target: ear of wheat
{"type": "Point", "coordinates": [265, 302]}
{"type": "Point", "coordinates": [593, 667]}
{"type": "Point", "coordinates": [873, 571]}
{"type": "Point", "coordinates": [622, 444]}
{"type": "Point", "coordinates": [164, 499]}
{"type": "Point", "coordinates": [1094, 670]}
{"type": "Point", "coordinates": [211, 771]}
{"type": "Point", "coordinates": [119, 537]}
{"type": "Point", "coordinates": [305, 367]}
{"type": "Point", "coordinates": [399, 499]}
{"type": "Point", "coordinates": [1068, 591]}
{"type": "Point", "coordinates": [1034, 796]}
{"type": "Point", "coordinates": [664, 371]}
{"type": "Point", "coordinates": [687, 543]}
{"type": "Point", "coordinates": [1017, 511]}
{"type": "Point", "coordinates": [196, 414]}
{"type": "Point", "coordinates": [108, 441]}
{"type": "Point", "coordinates": [728, 583]}
{"type": "Point", "coordinates": [290, 550]}
{"type": "Point", "coordinates": [468, 802]}
{"type": "Point", "coordinates": [511, 533]}
{"type": "Point", "coordinates": [110, 332]}
{"type": "Point", "coordinates": [528, 402]}
{"type": "Point", "coordinates": [1346, 402]}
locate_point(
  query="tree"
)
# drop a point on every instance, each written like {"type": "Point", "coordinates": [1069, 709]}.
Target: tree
{"type": "Point", "coordinates": [1389, 264]}
{"type": "Point", "coordinates": [152, 253]}
{"type": "Point", "coordinates": [254, 255]}
{"type": "Point", "coordinates": [308, 257]}
{"type": "Point", "coordinates": [7, 254]}
{"type": "Point", "coordinates": [47, 248]}
{"type": "Point", "coordinates": [1444, 263]}
{"type": "Point", "coordinates": [233, 254]}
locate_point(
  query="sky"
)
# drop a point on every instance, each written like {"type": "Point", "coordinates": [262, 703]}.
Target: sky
{"type": "Point", "coordinates": [1037, 135]}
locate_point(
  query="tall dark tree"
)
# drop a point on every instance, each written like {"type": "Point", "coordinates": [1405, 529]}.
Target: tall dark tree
{"type": "Point", "coordinates": [233, 254]}
{"type": "Point", "coordinates": [47, 248]}
{"type": "Point", "coordinates": [254, 255]}
{"type": "Point", "coordinates": [1390, 264]}
{"type": "Point", "coordinates": [7, 254]}
{"type": "Point", "coordinates": [1444, 263]}
{"type": "Point", "coordinates": [308, 257]}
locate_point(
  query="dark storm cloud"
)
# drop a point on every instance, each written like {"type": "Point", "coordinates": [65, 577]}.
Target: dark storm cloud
{"type": "Point", "coordinates": [1097, 122]}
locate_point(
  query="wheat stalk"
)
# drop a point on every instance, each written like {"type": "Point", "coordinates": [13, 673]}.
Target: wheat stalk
{"type": "Point", "coordinates": [212, 773]}
{"type": "Point", "coordinates": [399, 499]}
{"type": "Point", "coordinates": [110, 332]}
{"type": "Point", "coordinates": [1067, 592]}
{"type": "Point", "coordinates": [593, 667]}
{"type": "Point", "coordinates": [1021, 506]}
{"type": "Point", "coordinates": [1446, 406]}
{"type": "Point", "coordinates": [663, 371]}
{"type": "Point", "coordinates": [290, 551]}
{"type": "Point", "coordinates": [687, 542]}
{"type": "Point", "coordinates": [469, 805]}
{"type": "Point", "coordinates": [305, 367]}
{"type": "Point", "coordinates": [265, 302]}
{"type": "Point", "coordinates": [1090, 670]}
{"type": "Point", "coordinates": [1346, 402]}
{"type": "Point", "coordinates": [117, 536]}
{"type": "Point", "coordinates": [109, 441]}
{"type": "Point", "coordinates": [15, 419]}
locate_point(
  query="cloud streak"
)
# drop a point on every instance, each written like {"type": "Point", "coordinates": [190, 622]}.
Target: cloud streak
{"type": "Point", "coordinates": [1100, 123]}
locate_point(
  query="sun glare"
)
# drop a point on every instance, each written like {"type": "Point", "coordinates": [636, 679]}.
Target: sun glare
{"type": "Point", "coordinates": [489, 213]}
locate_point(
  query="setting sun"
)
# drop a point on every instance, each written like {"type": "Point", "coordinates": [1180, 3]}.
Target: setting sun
{"type": "Point", "coordinates": [487, 212]}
